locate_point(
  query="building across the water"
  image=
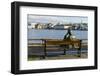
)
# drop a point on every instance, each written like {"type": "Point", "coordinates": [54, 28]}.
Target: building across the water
{"type": "Point", "coordinates": [62, 26]}
{"type": "Point", "coordinates": [58, 26]}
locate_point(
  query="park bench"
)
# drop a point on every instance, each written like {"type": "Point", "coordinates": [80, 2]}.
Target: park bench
{"type": "Point", "coordinates": [63, 44]}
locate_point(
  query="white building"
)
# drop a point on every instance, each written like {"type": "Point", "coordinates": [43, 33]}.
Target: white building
{"type": "Point", "coordinates": [33, 25]}
{"type": "Point", "coordinates": [66, 27]}
{"type": "Point", "coordinates": [62, 26]}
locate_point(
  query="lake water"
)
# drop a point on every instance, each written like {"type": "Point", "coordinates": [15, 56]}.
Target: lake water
{"type": "Point", "coordinates": [54, 34]}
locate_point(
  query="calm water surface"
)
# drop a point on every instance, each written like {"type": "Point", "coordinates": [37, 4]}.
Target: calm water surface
{"type": "Point", "coordinates": [54, 34]}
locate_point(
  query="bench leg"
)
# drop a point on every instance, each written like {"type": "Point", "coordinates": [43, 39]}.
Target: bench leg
{"type": "Point", "coordinates": [79, 49]}
{"type": "Point", "coordinates": [42, 57]}
{"type": "Point", "coordinates": [64, 51]}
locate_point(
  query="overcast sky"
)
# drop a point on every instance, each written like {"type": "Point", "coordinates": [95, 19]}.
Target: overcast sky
{"type": "Point", "coordinates": [55, 19]}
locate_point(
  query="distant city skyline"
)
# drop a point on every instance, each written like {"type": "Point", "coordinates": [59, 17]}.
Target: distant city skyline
{"type": "Point", "coordinates": [56, 19]}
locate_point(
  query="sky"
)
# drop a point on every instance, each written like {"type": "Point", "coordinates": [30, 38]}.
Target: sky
{"type": "Point", "coordinates": [55, 19]}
